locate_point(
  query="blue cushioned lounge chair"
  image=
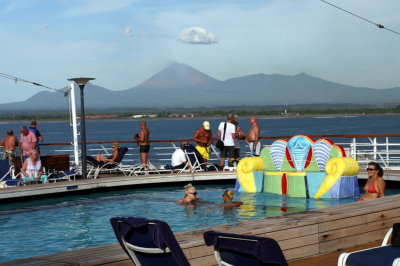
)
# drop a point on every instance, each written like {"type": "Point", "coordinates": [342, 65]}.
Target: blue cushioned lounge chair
{"type": "Point", "coordinates": [384, 255]}
{"type": "Point", "coordinates": [196, 161]}
{"type": "Point", "coordinates": [148, 242]}
{"type": "Point", "coordinates": [233, 249]}
{"type": "Point", "coordinates": [102, 167]}
{"type": "Point", "coordinates": [7, 178]}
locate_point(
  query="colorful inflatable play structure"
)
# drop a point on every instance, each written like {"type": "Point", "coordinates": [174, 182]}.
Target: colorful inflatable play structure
{"type": "Point", "coordinates": [300, 167]}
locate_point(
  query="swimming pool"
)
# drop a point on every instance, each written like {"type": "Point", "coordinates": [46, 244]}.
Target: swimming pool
{"type": "Point", "coordinates": [54, 225]}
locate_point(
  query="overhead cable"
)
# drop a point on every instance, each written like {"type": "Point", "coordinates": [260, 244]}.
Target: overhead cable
{"type": "Point", "coordinates": [27, 81]}
{"type": "Point", "coordinates": [378, 25]}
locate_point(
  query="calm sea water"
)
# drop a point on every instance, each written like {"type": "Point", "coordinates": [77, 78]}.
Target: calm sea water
{"type": "Point", "coordinates": [54, 225]}
{"type": "Point", "coordinates": [119, 130]}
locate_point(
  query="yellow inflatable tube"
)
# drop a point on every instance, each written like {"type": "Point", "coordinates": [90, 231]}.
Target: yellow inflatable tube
{"type": "Point", "coordinates": [245, 170]}
{"type": "Point", "coordinates": [336, 168]}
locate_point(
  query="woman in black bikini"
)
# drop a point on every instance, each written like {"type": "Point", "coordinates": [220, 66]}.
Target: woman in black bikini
{"type": "Point", "coordinates": [190, 195]}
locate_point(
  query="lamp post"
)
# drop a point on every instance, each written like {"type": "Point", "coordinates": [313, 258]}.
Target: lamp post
{"type": "Point", "coordinates": [81, 83]}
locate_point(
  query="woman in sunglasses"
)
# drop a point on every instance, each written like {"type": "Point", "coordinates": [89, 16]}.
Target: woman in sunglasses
{"type": "Point", "coordinates": [375, 186]}
{"type": "Point", "coordinates": [190, 195]}
{"type": "Point", "coordinates": [111, 158]}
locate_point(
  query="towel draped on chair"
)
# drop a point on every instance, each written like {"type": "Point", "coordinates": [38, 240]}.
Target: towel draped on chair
{"type": "Point", "coordinates": [163, 236]}
{"type": "Point", "coordinates": [265, 249]}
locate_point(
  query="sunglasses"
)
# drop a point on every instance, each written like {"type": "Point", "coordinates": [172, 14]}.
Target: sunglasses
{"type": "Point", "coordinates": [371, 169]}
{"type": "Point", "coordinates": [194, 193]}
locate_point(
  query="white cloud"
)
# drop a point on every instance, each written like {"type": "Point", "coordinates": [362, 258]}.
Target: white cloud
{"type": "Point", "coordinates": [128, 32]}
{"type": "Point", "coordinates": [197, 35]}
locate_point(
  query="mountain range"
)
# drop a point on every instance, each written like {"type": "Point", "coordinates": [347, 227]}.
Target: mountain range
{"type": "Point", "coordinates": [180, 85]}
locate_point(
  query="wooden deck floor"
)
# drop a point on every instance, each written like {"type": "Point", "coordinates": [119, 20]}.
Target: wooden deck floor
{"type": "Point", "coordinates": [330, 259]}
{"type": "Point", "coordinates": [117, 258]}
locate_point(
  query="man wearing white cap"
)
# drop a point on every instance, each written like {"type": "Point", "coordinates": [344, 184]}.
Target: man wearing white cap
{"type": "Point", "coordinates": [204, 139]}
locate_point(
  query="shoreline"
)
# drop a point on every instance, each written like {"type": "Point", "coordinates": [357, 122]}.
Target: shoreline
{"type": "Point", "coordinates": [205, 117]}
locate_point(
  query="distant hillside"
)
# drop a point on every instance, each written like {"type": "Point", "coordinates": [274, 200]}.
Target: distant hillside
{"type": "Point", "coordinates": [180, 85]}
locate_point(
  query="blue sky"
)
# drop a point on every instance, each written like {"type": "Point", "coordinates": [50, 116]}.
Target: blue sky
{"type": "Point", "coordinates": [123, 42]}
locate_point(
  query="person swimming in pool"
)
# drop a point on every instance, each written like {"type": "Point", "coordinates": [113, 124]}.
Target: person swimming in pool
{"type": "Point", "coordinates": [228, 199]}
{"type": "Point", "coordinates": [375, 186]}
{"type": "Point", "coordinates": [190, 195]}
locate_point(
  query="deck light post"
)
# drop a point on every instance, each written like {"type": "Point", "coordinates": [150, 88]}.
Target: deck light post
{"type": "Point", "coordinates": [81, 83]}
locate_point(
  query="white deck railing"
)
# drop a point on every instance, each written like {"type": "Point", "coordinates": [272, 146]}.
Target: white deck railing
{"type": "Point", "coordinates": [383, 149]}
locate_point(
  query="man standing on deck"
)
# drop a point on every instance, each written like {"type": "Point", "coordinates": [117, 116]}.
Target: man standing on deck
{"type": "Point", "coordinates": [253, 138]}
{"type": "Point", "coordinates": [204, 139]}
{"type": "Point", "coordinates": [28, 142]}
{"type": "Point", "coordinates": [143, 142]}
{"type": "Point", "coordinates": [9, 142]}
{"type": "Point", "coordinates": [39, 138]}
{"type": "Point", "coordinates": [227, 133]}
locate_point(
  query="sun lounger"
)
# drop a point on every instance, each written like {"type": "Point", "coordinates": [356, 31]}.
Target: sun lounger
{"type": "Point", "coordinates": [148, 242]}
{"type": "Point", "coordinates": [54, 175]}
{"type": "Point", "coordinates": [110, 167]}
{"type": "Point", "coordinates": [196, 161]}
{"type": "Point", "coordinates": [386, 254]}
{"type": "Point", "coordinates": [7, 177]}
{"type": "Point", "coordinates": [233, 249]}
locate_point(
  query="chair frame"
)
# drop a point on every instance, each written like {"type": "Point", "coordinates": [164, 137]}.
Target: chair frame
{"type": "Point", "coordinates": [168, 251]}
{"type": "Point", "coordinates": [10, 173]}
{"type": "Point", "coordinates": [344, 256]}
{"type": "Point", "coordinates": [109, 167]}
{"type": "Point", "coordinates": [131, 248]}
{"type": "Point", "coordinates": [217, 253]}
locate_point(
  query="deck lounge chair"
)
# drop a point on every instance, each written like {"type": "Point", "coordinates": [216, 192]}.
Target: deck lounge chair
{"type": "Point", "coordinates": [386, 254]}
{"type": "Point", "coordinates": [233, 249]}
{"type": "Point", "coordinates": [196, 161]}
{"type": "Point", "coordinates": [54, 175]}
{"type": "Point", "coordinates": [7, 178]}
{"type": "Point", "coordinates": [109, 167]}
{"type": "Point", "coordinates": [148, 242]}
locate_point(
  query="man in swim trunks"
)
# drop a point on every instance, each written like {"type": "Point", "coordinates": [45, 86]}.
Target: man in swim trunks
{"type": "Point", "coordinates": [9, 142]}
{"type": "Point", "coordinates": [253, 138]}
{"type": "Point", "coordinates": [143, 141]}
{"type": "Point", "coordinates": [204, 139]}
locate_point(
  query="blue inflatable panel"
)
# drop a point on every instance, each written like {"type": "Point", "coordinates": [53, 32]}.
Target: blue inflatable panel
{"type": "Point", "coordinates": [314, 180]}
{"type": "Point", "coordinates": [259, 180]}
{"type": "Point", "coordinates": [238, 187]}
{"type": "Point", "coordinates": [346, 187]}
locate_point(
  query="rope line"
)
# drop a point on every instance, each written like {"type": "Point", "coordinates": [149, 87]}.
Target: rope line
{"type": "Point", "coordinates": [378, 25]}
{"type": "Point", "coordinates": [27, 81]}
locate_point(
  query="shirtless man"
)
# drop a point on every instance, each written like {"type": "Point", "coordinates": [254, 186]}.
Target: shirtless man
{"type": "Point", "coordinates": [253, 138]}
{"type": "Point", "coordinates": [143, 142]}
{"type": "Point", "coordinates": [204, 139]}
{"type": "Point", "coordinates": [9, 142]}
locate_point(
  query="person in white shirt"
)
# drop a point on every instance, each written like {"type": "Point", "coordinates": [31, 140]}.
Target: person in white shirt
{"type": "Point", "coordinates": [179, 160]}
{"type": "Point", "coordinates": [227, 133]}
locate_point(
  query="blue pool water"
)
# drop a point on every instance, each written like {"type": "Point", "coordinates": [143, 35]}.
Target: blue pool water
{"type": "Point", "coordinates": [54, 225]}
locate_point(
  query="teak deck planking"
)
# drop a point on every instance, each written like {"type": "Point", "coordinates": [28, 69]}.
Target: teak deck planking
{"type": "Point", "coordinates": [301, 235]}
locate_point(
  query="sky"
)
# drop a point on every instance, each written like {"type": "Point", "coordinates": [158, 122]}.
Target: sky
{"type": "Point", "coordinates": [122, 43]}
